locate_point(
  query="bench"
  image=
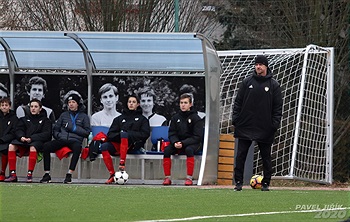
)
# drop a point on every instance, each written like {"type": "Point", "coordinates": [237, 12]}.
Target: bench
{"type": "Point", "coordinates": [84, 168]}
{"type": "Point", "coordinates": [144, 171]}
{"type": "Point", "coordinates": [158, 133]}
{"type": "Point", "coordinates": [148, 157]}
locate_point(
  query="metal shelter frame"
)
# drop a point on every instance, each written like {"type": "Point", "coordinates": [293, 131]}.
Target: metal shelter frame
{"type": "Point", "coordinates": [121, 54]}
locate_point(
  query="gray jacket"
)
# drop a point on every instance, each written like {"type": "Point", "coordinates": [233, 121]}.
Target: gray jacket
{"type": "Point", "coordinates": [72, 126]}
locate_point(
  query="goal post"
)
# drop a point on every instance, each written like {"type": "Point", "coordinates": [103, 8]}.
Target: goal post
{"type": "Point", "coordinates": [304, 142]}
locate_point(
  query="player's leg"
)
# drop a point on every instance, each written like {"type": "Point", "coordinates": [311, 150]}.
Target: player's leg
{"type": "Point", "coordinates": [31, 163]}
{"type": "Point", "coordinates": [12, 163]}
{"type": "Point", "coordinates": [124, 145]}
{"type": "Point", "coordinates": [189, 151]}
{"type": "Point", "coordinates": [107, 149]}
{"type": "Point", "coordinates": [4, 162]}
{"type": "Point", "coordinates": [168, 151]}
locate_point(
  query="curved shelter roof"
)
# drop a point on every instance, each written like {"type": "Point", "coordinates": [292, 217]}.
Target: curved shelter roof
{"type": "Point", "coordinates": [103, 51]}
{"type": "Point", "coordinates": [107, 53]}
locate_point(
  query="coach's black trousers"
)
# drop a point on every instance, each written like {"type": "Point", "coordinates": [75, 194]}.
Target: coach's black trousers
{"type": "Point", "coordinates": [241, 156]}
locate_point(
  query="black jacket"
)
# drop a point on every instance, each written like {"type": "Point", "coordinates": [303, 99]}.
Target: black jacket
{"type": "Point", "coordinates": [186, 127]}
{"type": "Point", "coordinates": [37, 127]}
{"type": "Point", "coordinates": [257, 109]}
{"type": "Point", "coordinates": [8, 124]}
{"type": "Point", "coordinates": [132, 122]}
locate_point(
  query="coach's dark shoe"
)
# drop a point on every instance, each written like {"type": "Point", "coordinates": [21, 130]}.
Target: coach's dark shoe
{"type": "Point", "coordinates": [238, 187]}
{"type": "Point", "coordinates": [68, 178]}
{"type": "Point", "coordinates": [265, 187]}
{"type": "Point", "coordinates": [46, 178]}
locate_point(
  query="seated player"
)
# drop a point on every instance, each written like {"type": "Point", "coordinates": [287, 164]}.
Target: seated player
{"type": "Point", "coordinates": [32, 131]}
{"type": "Point", "coordinates": [127, 134]}
{"type": "Point", "coordinates": [185, 135]}
{"type": "Point", "coordinates": [8, 121]}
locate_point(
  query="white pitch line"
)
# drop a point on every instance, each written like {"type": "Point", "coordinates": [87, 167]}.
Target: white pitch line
{"type": "Point", "coordinates": [244, 215]}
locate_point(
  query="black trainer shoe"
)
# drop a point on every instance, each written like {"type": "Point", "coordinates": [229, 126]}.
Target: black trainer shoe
{"type": "Point", "coordinates": [68, 178]}
{"type": "Point", "coordinates": [29, 178]}
{"type": "Point", "coordinates": [265, 187]}
{"type": "Point", "coordinates": [238, 187]}
{"type": "Point", "coordinates": [46, 178]}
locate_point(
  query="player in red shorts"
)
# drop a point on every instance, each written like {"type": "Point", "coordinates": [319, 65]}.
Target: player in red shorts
{"type": "Point", "coordinates": [32, 131]}
{"type": "Point", "coordinates": [127, 134]}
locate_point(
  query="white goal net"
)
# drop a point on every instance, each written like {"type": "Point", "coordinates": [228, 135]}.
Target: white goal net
{"type": "Point", "coordinates": [303, 144]}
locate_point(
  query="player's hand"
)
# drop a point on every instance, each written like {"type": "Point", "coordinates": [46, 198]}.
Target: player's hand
{"type": "Point", "coordinates": [25, 139]}
{"type": "Point", "coordinates": [178, 145]}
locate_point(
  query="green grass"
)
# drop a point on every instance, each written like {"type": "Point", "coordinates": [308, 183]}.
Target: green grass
{"type": "Point", "coordinates": [59, 202]}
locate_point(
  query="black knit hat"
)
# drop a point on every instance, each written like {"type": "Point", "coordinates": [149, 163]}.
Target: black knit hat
{"type": "Point", "coordinates": [261, 59]}
{"type": "Point", "coordinates": [74, 97]}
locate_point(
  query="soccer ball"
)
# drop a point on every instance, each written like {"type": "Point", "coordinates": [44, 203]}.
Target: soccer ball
{"type": "Point", "coordinates": [255, 181]}
{"type": "Point", "coordinates": [121, 177]}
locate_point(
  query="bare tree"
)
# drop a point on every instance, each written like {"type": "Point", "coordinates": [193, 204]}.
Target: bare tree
{"type": "Point", "coordinates": [107, 15]}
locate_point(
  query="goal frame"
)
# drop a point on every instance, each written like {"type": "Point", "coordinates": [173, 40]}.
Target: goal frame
{"type": "Point", "coordinates": [328, 52]}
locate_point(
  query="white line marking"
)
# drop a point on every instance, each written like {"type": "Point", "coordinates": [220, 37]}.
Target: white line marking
{"type": "Point", "coordinates": [244, 215]}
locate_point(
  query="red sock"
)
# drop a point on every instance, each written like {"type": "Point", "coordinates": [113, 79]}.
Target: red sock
{"type": "Point", "coordinates": [123, 150]}
{"type": "Point", "coordinates": [4, 160]}
{"type": "Point", "coordinates": [190, 165]}
{"type": "Point", "coordinates": [32, 160]}
{"type": "Point", "coordinates": [167, 166]}
{"type": "Point", "coordinates": [12, 160]}
{"type": "Point", "coordinates": [108, 161]}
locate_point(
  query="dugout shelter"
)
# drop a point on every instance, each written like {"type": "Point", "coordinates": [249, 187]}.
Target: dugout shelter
{"type": "Point", "coordinates": [88, 57]}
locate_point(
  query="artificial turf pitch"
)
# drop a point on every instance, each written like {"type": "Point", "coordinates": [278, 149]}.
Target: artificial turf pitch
{"type": "Point", "coordinates": [62, 202]}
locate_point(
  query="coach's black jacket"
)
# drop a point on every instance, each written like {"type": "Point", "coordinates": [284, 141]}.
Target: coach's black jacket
{"type": "Point", "coordinates": [257, 109]}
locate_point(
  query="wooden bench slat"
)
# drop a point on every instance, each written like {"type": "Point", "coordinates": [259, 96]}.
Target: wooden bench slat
{"type": "Point", "coordinates": [227, 137]}
{"type": "Point", "coordinates": [228, 153]}
{"type": "Point", "coordinates": [225, 167]}
{"type": "Point", "coordinates": [225, 175]}
{"type": "Point", "coordinates": [226, 160]}
{"type": "Point", "coordinates": [227, 145]}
